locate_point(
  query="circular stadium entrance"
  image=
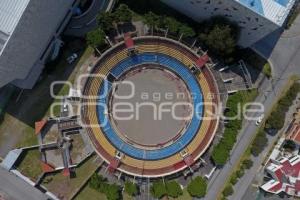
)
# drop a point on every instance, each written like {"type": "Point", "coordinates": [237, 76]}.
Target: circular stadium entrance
{"type": "Point", "coordinates": [150, 106]}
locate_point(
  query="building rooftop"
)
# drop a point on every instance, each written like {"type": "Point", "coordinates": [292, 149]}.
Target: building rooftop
{"type": "Point", "coordinates": [286, 176]}
{"type": "Point", "coordinates": [26, 29]}
{"type": "Point", "coordinates": [274, 10]}
{"type": "Point", "coordinates": [10, 13]}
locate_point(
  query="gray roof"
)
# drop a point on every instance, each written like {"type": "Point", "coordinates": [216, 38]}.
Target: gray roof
{"type": "Point", "coordinates": [30, 37]}
{"type": "Point", "coordinates": [11, 159]}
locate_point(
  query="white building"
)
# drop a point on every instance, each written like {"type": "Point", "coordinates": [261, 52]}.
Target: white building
{"type": "Point", "coordinates": [257, 18]}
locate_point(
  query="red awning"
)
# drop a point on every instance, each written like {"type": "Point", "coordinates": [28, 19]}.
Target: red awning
{"type": "Point", "coordinates": [46, 167]}
{"type": "Point", "coordinates": [66, 172]}
{"type": "Point", "coordinates": [39, 126]}
{"type": "Point", "coordinates": [114, 163]}
{"type": "Point", "coordinates": [202, 61]}
{"type": "Point", "coordinates": [128, 40]}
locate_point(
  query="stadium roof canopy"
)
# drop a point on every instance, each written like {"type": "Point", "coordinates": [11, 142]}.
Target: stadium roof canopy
{"type": "Point", "coordinates": [274, 10]}
{"type": "Point", "coordinates": [26, 29]}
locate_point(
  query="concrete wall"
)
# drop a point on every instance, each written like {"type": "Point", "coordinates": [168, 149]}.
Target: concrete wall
{"type": "Point", "coordinates": [253, 26]}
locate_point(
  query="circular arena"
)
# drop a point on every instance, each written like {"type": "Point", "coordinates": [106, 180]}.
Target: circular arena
{"type": "Point", "coordinates": [147, 112]}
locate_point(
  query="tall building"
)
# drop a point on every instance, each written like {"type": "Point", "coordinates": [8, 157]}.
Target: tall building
{"type": "Point", "coordinates": [256, 18]}
{"type": "Point", "coordinates": [29, 35]}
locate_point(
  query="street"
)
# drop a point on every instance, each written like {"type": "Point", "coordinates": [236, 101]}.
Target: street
{"type": "Point", "coordinates": [284, 60]}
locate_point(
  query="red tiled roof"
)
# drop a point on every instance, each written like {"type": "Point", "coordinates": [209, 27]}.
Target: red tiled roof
{"type": "Point", "coordinates": [276, 187]}
{"type": "Point", "coordinates": [114, 163]}
{"type": "Point", "coordinates": [189, 160]}
{"type": "Point", "coordinates": [39, 126]}
{"type": "Point", "coordinates": [279, 174]}
{"type": "Point", "coordinates": [202, 61]}
{"type": "Point", "coordinates": [128, 40]}
{"type": "Point", "coordinates": [290, 170]}
{"type": "Point", "coordinates": [297, 185]}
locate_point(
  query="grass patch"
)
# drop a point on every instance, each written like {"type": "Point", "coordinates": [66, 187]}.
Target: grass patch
{"type": "Point", "coordinates": [28, 138]}
{"type": "Point", "coordinates": [64, 187]}
{"type": "Point", "coordinates": [88, 193]}
{"type": "Point", "coordinates": [30, 164]}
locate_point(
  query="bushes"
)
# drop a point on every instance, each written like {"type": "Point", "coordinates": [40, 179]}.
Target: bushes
{"type": "Point", "coordinates": [197, 187]}
{"type": "Point", "coordinates": [228, 190]}
{"type": "Point", "coordinates": [259, 143]}
{"type": "Point", "coordinates": [247, 164]}
{"type": "Point", "coordinates": [267, 70]}
{"type": "Point", "coordinates": [222, 150]}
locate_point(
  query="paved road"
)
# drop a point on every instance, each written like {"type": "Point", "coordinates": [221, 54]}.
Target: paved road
{"type": "Point", "coordinates": [13, 188]}
{"type": "Point", "coordinates": [284, 58]}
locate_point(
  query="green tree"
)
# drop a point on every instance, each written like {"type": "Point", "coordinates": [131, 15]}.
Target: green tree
{"type": "Point", "coordinates": [105, 21]}
{"type": "Point", "coordinates": [197, 187]}
{"type": "Point", "coordinates": [97, 181]}
{"type": "Point", "coordinates": [186, 31]}
{"type": "Point", "coordinates": [96, 38]}
{"type": "Point", "coordinates": [158, 189]}
{"type": "Point", "coordinates": [152, 20]}
{"type": "Point", "coordinates": [123, 13]}
{"type": "Point", "coordinates": [290, 145]}
{"type": "Point", "coordinates": [173, 189]}
{"type": "Point", "coordinates": [220, 154]}
{"type": "Point", "coordinates": [171, 24]}
{"type": "Point", "coordinates": [228, 190]}
{"type": "Point", "coordinates": [131, 188]}
{"type": "Point", "coordinates": [113, 192]}
{"type": "Point", "coordinates": [220, 39]}
{"type": "Point", "coordinates": [247, 163]}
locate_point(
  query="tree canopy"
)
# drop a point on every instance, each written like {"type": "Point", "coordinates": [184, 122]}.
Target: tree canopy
{"type": "Point", "coordinates": [186, 31]}
{"type": "Point", "coordinates": [151, 19]}
{"type": "Point", "coordinates": [113, 192]}
{"type": "Point", "coordinates": [220, 39]}
{"type": "Point", "coordinates": [123, 14]}
{"type": "Point", "coordinates": [131, 188]}
{"type": "Point", "coordinates": [158, 189]}
{"type": "Point", "coordinates": [197, 187]}
{"type": "Point", "coordinates": [171, 24]}
{"type": "Point", "coordinates": [95, 38]}
{"type": "Point", "coordinates": [105, 21]}
{"type": "Point", "coordinates": [173, 189]}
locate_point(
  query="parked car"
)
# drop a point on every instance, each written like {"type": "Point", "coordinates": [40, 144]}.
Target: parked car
{"type": "Point", "coordinates": [259, 119]}
{"type": "Point", "coordinates": [72, 58]}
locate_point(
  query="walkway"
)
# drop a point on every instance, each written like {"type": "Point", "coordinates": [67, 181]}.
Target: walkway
{"type": "Point", "coordinates": [16, 188]}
